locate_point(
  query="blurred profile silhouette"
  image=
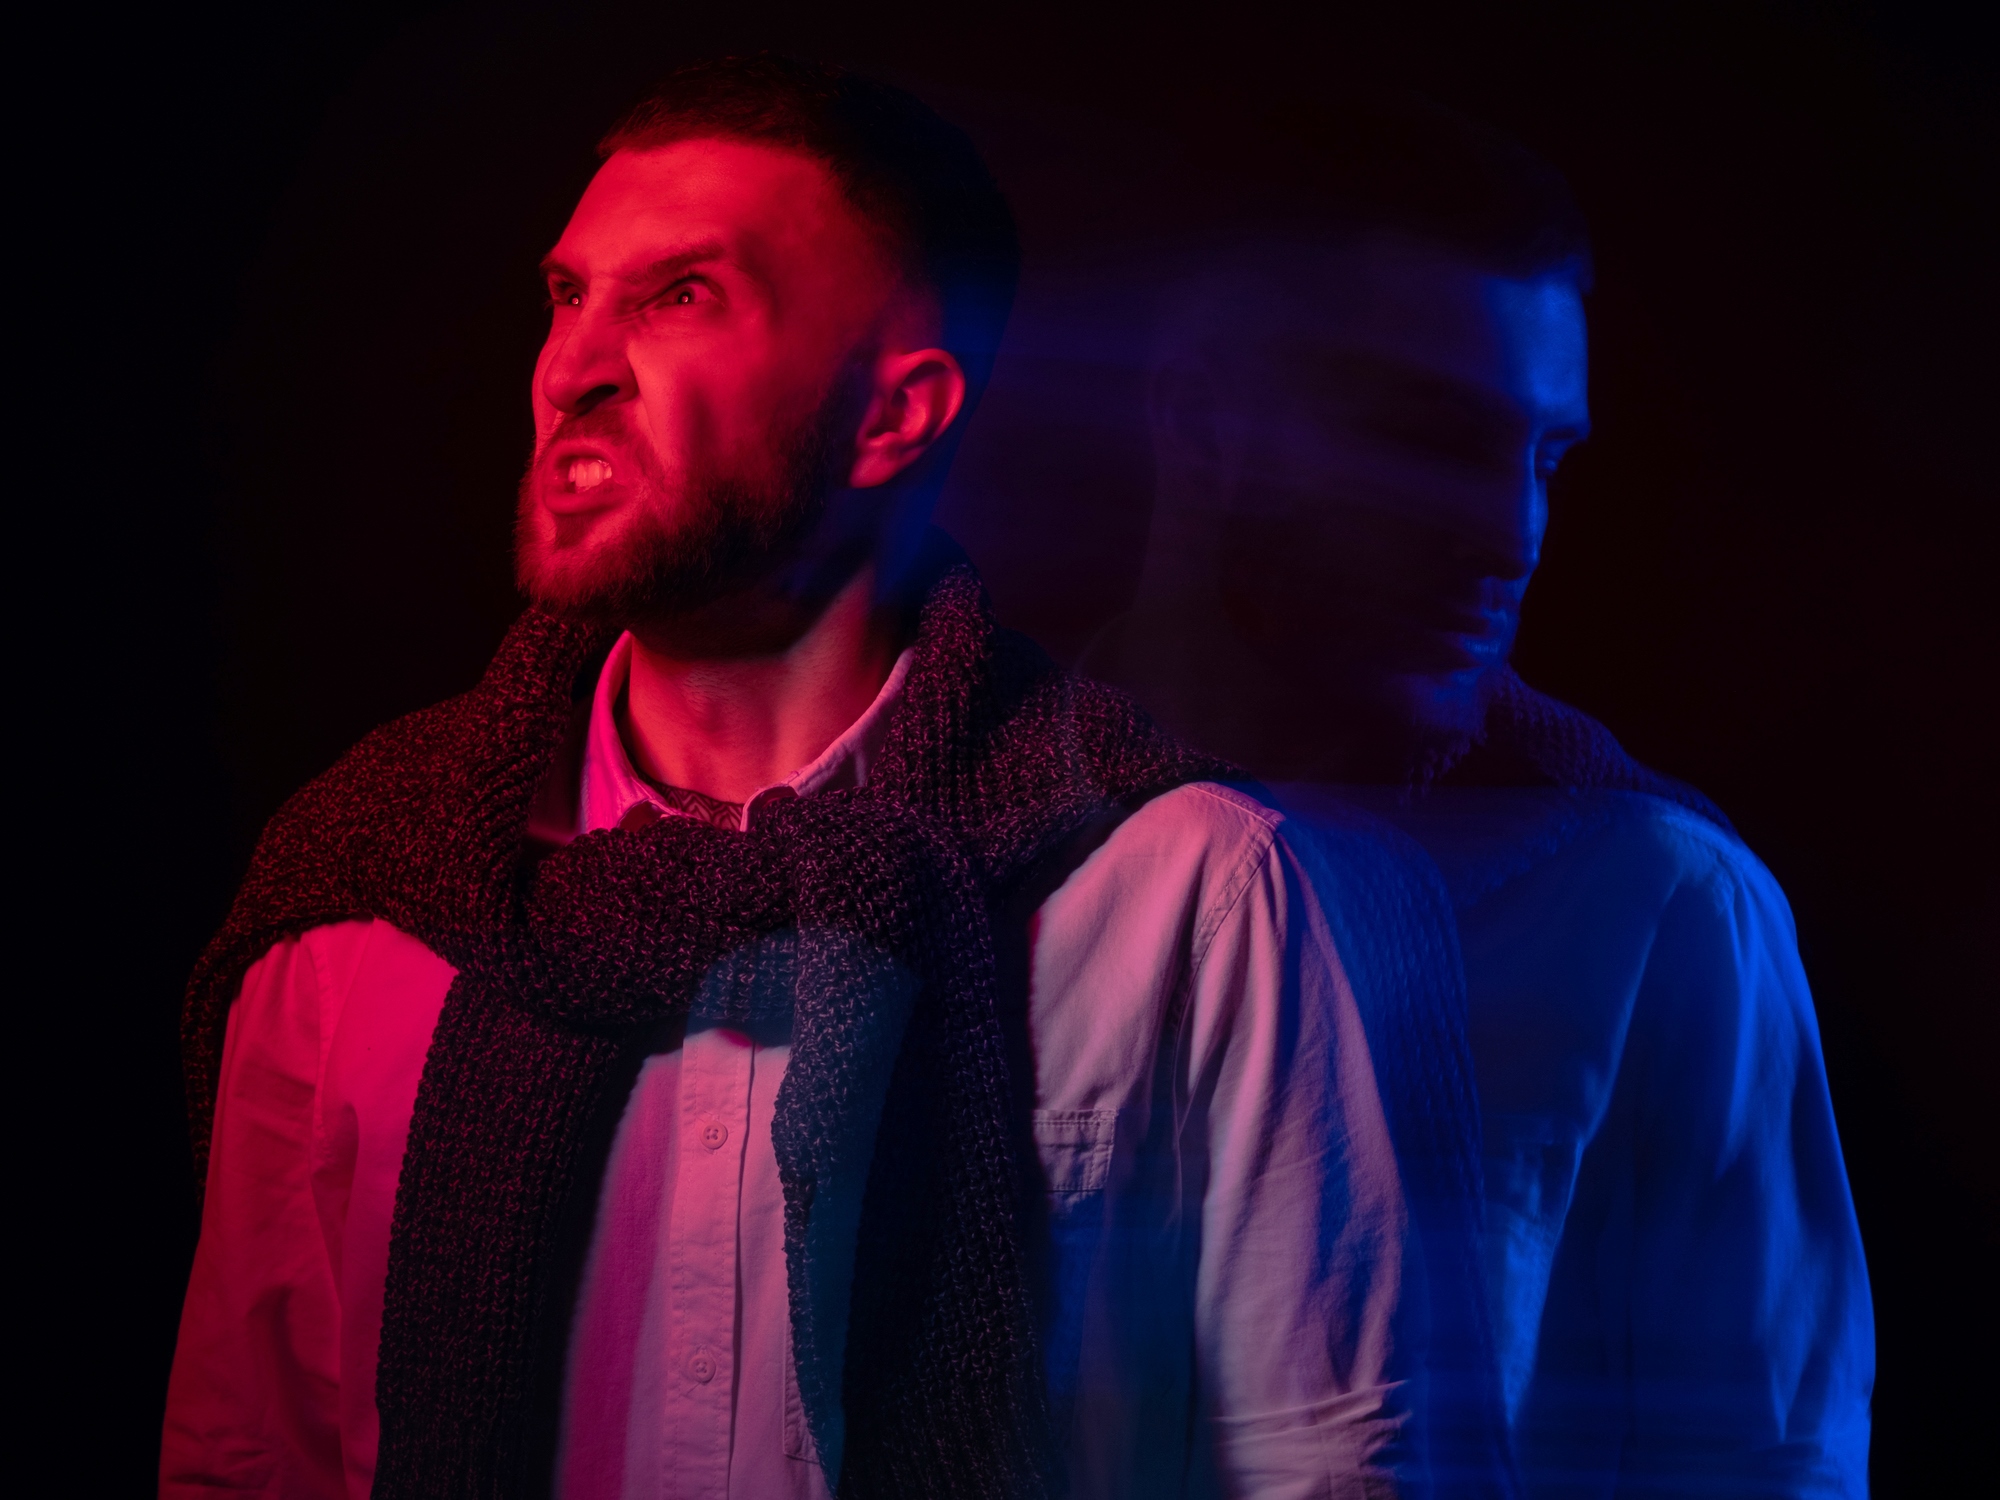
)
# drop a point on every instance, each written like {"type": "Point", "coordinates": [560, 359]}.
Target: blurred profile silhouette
{"type": "Point", "coordinates": [1358, 395]}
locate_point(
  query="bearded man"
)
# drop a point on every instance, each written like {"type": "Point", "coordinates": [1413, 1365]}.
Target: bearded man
{"type": "Point", "coordinates": [777, 1035]}
{"type": "Point", "coordinates": [1355, 418]}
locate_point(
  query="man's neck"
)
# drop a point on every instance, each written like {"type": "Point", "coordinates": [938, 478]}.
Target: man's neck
{"type": "Point", "coordinates": [729, 723]}
{"type": "Point", "coordinates": [1192, 669]}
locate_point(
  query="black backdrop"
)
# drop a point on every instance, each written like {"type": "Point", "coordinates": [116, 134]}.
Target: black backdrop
{"type": "Point", "coordinates": [283, 312]}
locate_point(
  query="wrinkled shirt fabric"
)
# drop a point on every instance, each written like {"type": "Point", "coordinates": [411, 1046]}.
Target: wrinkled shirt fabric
{"type": "Point", "coordinates": [1223, 1230]}
{"type": "Point", "coordinates": [1679, 1293]}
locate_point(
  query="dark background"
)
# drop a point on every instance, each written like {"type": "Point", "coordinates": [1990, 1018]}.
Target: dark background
{"type": "Point", "coordinates": [279, 314]}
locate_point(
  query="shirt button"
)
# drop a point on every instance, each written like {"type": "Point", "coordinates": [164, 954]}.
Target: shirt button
{"type": "Point", "coordinates": [701, 1366]}
{"type": "Point", "coordinates": [713, 1134]}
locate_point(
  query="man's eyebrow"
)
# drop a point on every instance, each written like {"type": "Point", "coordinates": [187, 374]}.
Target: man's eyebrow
{"type": "Point", "coordinates": [1386, 377]}
{"type": "Point", "coordinates": [672, 265]}
{"type": "Point", "coordinates": [1390, 378]}
{"type": "Point", "coordinates": [665, 266]}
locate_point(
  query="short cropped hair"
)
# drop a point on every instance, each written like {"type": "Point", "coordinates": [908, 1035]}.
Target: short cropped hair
{"type": "Point", "coordinates": [1370, 159]}
{"type": "Point", "coordinates": [908, 172]}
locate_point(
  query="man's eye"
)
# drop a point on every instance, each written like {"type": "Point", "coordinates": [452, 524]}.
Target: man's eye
{"type": "Point", "coordinates": [565, 296]}
{"type": "Point", "coordinates": [687, 293]}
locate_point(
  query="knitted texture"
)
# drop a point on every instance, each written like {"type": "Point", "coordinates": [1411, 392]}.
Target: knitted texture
{"type": "Point", "coordinates": [1531, 739]}
{"type": "Point", "coordinates": [864, 915]}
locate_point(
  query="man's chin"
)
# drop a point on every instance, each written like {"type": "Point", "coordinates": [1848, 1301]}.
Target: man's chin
{"type": "Point", "coordinates": [575, 578]}
{"type": "Point", "coordinates": [577, 561]}
{"type": "Point", "coordinates": [627, 580]}
{"type": "Point", "coordinates": [1425, 722]}
{"type": "Point", "coordinates": [1441, 705]}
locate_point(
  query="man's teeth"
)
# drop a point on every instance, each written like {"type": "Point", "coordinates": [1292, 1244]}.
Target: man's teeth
{"type": "Point", "coordinates": [588, 473]}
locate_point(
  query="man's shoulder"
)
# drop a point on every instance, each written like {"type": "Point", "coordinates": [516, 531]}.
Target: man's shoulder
{"type": "Point", "coordinates": [1657, 865]}
{"type": "Point", "coordinates": [1682, 844]}
{"type": "Point", "coordinates": [1486, 839]}
{"type": "Point", "coordinates": [1533, 740]}
{"type": "Point", "coordinates": [330, 958]}
{"type": "Point", "coordinates": [1192, 848]}
{"type": "Point", "coordinates": [1699, 862]}
{"type": "Point", "coordinates": [1217, 817]}
{"type": "Point", "coordinates": [347, 944]}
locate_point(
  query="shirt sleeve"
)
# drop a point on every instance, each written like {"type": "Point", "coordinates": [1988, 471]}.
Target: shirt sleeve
{"type": "Point", "coordinates": [252, 1403]}
{"type": "Point", "coordinates": [1303, 1224]}
{"type": "Point", "coordinates": [1715, 1292]}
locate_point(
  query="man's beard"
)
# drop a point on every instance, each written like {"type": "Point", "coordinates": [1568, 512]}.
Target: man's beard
{"type": "Point", "coordinates": [683, 544]}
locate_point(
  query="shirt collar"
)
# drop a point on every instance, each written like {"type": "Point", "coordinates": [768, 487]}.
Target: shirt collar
{"type": "Point", "coordinates": [612, 788]}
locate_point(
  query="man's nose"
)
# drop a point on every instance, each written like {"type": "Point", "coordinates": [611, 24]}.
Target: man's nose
{"type": "Point", "coordinates": [1502, 538]}
{"type": "Point", "coordinates": [589, 368]}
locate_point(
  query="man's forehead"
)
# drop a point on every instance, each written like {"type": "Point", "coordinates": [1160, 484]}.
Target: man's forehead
{"type": "Point", "coordinates": [1544, 341]}
{"type": "Point", "coordinates": [734, 195]}
{"type": "Point", "coordinates": [1389, 303]}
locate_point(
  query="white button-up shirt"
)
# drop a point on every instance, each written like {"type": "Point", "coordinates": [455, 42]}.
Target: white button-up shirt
{"type": "Point", "coordinates": [1224, 1228]}
{"type": "Point", "coordinates": [1680, 1298]}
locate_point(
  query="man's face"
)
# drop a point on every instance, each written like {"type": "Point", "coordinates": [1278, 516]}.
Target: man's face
{"type": "Point", "coordinates": [1392, 486]}
{"type": "Point", "coordinates": [707, 298]}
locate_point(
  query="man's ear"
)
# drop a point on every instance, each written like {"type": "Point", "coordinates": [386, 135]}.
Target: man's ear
{"type": "Point", "coordinates": [916, 397]}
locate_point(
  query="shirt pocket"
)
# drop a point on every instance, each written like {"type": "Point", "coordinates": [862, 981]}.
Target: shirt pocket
{"type": "Point", "coordinates": [1075, 1147]}
{"type": "Point", "coordinates": [1075, 1150]}
{"type": "Point", "coordinates": [798, 1432]}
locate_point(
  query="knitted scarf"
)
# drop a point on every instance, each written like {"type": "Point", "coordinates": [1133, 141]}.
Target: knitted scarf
{"type": "Point", "coordinates": [1531, 739]}
{"type": "Point", "coordinates": [864, 915]}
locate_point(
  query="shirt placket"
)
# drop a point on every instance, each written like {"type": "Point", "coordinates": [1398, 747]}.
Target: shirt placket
{"type": "Point", "coordinates": [701, 1251]}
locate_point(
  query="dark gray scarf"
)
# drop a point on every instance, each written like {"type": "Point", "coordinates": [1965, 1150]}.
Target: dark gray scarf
{"type": "Point", "coordinates": [866, 916]}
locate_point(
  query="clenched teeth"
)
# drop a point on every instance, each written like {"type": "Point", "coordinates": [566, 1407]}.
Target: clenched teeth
{"type": "Point", "coordinates": [588, 473]}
